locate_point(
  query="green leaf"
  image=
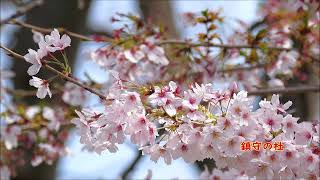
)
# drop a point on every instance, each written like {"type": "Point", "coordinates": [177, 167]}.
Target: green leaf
{"type": "Point", "coordinates": [205, 13]}
{"type": "Point", "coordinates": [242, 53]}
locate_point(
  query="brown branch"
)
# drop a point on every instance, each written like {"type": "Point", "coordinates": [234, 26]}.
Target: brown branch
{"type": "Point", "coordinates": [23, 10]}
{"type": "Point", "coordinates": [286, 90]}
{"type": "Point", "coordinates": [241, 68]}
{"type": "Point", "coordinates": [61, 30]}
{"type": "Point", "coordinates": [127, 171]}
{"type": "Point", "coordinates": [65, 77]}
{"type": "Point", "coordinates": [21, 92]}
{"type": "Point", "coordinates": [179, 42]}
{"type": "Point", "coordinates": [225, 46]}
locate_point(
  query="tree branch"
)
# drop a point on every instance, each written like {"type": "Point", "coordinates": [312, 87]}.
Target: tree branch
{"type": "Point", "coordinates": [225, 46]}
{"type": "Point", "coordinates": [67, 78]}
{"type": "Point", "coordinates": [179, 42]}
{"type": "Point", "coordinates": [23, 10]}
{"type": "Point", "coordinates": [286, 90]}
{"type": "Point", "coordinates": [241, 68]}
{"type": "Point", "coordinates": [127, 171]}
{"type": "Point", "coordinates": [61, 30]}
{"type": "Point", "coordinates": [21, 92]}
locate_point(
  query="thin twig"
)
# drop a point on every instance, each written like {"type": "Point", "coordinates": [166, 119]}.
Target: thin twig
{"type": "Point", "coordinates": [181, 42]}
{"type": "Point", "coordinates": [225, 46]}
{"type": "Point", "coordinates": [21, 92]}
{"type": "Point", "coordinates": [61, 30]}
{"type": "Point", "coordinates": [64, 76]}
{"type": "Point", "coordinates": [23, 10]}
{"type": "Point", "coordinates": [286, 90]}
{"type": "Point", "coordinates": [241, 68]}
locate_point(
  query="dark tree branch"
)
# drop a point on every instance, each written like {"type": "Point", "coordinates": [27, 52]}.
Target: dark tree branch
{"type": "Point", "coordinates": [62, 75]}
{"type": "Point", "coordinates": [126, 172]}
{"type": "Point", "coordinates": [23, 10]}
{"type": "Point", "coordinates": [61, 30]}
{"type": "Point", "coordinates": [287, 90]}
{"type": "Point", "coordinates": [225, 46]}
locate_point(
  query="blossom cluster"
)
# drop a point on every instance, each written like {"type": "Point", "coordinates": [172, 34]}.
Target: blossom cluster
{"type": "Point", "coordinates": [204, 123]}
{"type": "Point", "coordinates": [47, 44]}
{"type": "Point", "coordinates": [32, 129]}
{"type": "Point", "coordinates": [140, 63]}
{"type": "Point", "coordinates": [125, 116]}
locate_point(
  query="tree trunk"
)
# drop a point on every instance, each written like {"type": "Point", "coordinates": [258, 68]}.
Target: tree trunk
{"type": "Point", "coordinates": [160, 13]}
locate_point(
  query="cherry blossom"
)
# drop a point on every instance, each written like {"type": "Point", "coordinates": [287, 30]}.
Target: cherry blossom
{"type": "Point", "coordinates": [134, 55]}
{"type": "Point", "coordinates": [74, 95]}
{"type": "Point", "coordinates": [158, 151]}
{"type": "Point", "coordinates": [54, 116]}
{"type": "Point", "coordinates": [155, 54]}
{"type": "Point", "coordinates": [304, 134]}
{"type": "Point", "coordinates": [9, 136]}
{"type": "Point", "coordinates": [33, 58]}
{"type": "Point", "coordinates": [55, 42]}
{"type": "Point", "coordinates": [160, 96]}
{"type": "Point", "coordinates": [42, 85]}
{"type": "Point", "coordinates": [37, 36]}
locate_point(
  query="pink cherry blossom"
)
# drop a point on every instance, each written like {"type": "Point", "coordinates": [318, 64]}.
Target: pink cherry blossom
{"type": "Point", "coordinates": [42, 85]}
{"type": "Point", "coordinates": [191, 100]}
{"type": "Point", "coordinates": [272, 121]}
{"type": "Point", "coordinates": [160, 96]}
{"type": "Point", "coordinates": [289, 125]}
{"type": "Point", "coordinates": [74, 95]}
{"type": "Point", "coordinates": [33, 58]}
{"type": "Point", "coordinates": [9, 136]}
{"type": "Point", "coordinates": [155, 54]}
{"type": "Point", "coordinates": [134, 55]}
{"type": "Point", "coordinates": [57, 43]}
{"type": "Point", "coordinates": [156, 151]}
{"type": "Point", "coordinates": [304, 134]}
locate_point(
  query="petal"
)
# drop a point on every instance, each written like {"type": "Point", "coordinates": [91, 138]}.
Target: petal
{"type": "Point", "coordinates": [170, 110]}
{"type": "Point", "coordinates": [48, 113]}
{"type": "Point", "coordinates": [287, 105]}
{"type": "Point", "coordinates": [36, 82]}
{"type": "Point", "coordinates": [153, 57]}
{"type": "Point", "coordinates": [42, 52]}
{"type": "Point", "coordinates": [130, 57]}
{"type": "Point", "coordinates": [275, 99]}
{"type": "Point", "coordinates": [37, 36]}
{"type": "Point", "coordinates": [164, 61]}
{"type": "Point", "coordinates": [66, 41]}
{"type": "Point", "coordinates": [42, 92]}
{"type": "Point", "coordinates": [49, 92]}
{"type": "Point", "coordinates": [159, 50]}
{"type": "Point", "coordinates": [31, 57]}
{"type": "Point", "coordinates": [55, 34]}
{"type": "Point", "coordinates": [139, 55]}
{"type": "Point", "coordinates": [34, 69]}
{"type": "Point", "coordinates": [48, 39]}
{"type": "Point", "coordinates": [173, 86]}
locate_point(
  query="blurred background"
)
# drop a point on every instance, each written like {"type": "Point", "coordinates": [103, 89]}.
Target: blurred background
{"type": "Point", "coordinates": [90, 17]}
